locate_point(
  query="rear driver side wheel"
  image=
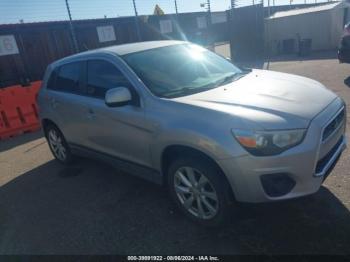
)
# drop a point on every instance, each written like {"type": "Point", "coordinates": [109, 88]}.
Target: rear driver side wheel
{"type": "Point", "coordinates": [58, 144]}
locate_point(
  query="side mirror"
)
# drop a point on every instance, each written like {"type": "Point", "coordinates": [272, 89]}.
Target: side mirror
{"type": "Point", "coordinates": [119, 96]}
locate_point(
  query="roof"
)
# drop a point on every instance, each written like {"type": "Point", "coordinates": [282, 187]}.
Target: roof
{"type": "Point", "coordinates": [139, 46]}
{"type": "Point", "coordinates": [307, 10]}
{"type": "Point", "coordinates": [121, 50]}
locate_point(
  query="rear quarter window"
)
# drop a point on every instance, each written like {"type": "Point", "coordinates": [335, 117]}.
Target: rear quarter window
{"type": "Point", "coordinates": [67, 78]}
{"type": "Point", "coordinates": [52, 80]}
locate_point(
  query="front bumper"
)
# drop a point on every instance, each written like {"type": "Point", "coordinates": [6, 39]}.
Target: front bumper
{"type": "Point", "coordinates": [306, 164]}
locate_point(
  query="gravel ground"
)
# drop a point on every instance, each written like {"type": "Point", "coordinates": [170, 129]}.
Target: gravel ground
{"type": "Point", "coordinates": [91, 208]}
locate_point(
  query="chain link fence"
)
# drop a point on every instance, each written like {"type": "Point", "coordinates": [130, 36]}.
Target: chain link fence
{"type": "Point", "coordinates": [28, 11]}
{"type": "Point", "coordinates": [33, 33]}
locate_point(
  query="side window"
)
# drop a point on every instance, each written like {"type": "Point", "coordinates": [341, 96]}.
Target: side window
{"type": "Point", "coordinates": [52, 80]}
{"type": "Point", "coordinates": [101, 76]}
{"type": "Point", "coordinates": [68, 78]}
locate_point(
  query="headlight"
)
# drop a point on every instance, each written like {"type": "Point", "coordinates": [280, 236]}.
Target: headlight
{"type": "Point", "coordinates": [267, 143]}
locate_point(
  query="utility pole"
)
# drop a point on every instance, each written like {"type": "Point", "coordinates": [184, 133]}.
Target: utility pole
{"type": "Point", "coordinates": [137, 21]}
{"type": "Point", "coordinates": [208, 4]}
{"type": "Point", "coordinates": [175, 2]}
{"type": "Point", "coordinates": [75, 42]}
{"type": "Point", "coordinates": [233, 4]}
{"type": "Point", "coordinates": [209, 11]}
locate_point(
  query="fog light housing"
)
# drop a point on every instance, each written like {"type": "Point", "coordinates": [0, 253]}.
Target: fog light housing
{"type": "Point", "coordinates": [276, 185]}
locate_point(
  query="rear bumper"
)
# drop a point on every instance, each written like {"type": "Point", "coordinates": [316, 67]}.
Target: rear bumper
{"type": "Point", "coordinates": [299, 171]}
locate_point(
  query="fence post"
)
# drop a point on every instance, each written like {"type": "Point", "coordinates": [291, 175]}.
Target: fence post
{"type": "Point", "coordinates": [176, 11]}
{"type": "Point", "coordinates": [268, 35]}
{"type": "Point", "coordinates": [75, 43]}
{"type": "Point", "coordinates": [137, 21]}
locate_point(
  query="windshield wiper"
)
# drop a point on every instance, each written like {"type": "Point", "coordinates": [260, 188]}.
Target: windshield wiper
{"type": "Point", "coordinates": [185, 91]}
{"type": "Point", "coordinates": [230, 78]}
{"type": "Point", "coordinates": [192, 90]}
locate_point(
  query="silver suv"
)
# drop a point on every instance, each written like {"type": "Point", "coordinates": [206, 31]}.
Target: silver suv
{"type": "Point", "coordinates": [177, 114]}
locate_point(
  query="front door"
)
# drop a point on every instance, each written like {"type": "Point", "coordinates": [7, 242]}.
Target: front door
{"type": "Point", "coordinates": [118, 131]}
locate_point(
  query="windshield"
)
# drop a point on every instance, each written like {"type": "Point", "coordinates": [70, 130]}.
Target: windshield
{"type": "Point", "coordinates": [179, 70]}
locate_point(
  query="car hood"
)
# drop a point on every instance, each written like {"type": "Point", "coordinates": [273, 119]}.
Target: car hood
{"type": "Point", "coordinates": [272, 100]}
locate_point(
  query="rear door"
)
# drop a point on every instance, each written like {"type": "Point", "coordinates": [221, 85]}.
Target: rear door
{"type": "Point", "coordinates": [66, 100]}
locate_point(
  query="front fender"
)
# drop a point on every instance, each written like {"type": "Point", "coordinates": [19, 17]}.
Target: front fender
{"type": "Point", "coordinates": [180, 137]}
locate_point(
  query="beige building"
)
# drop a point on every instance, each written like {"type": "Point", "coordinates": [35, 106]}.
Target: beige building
{"type": "Point", "coordinates": [322, 24]}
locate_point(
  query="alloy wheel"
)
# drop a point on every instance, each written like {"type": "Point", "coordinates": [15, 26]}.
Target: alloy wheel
{"type": "Point", "coordinates": [56, 144]}
{"type": "Point", "coordinates": [196, 193]}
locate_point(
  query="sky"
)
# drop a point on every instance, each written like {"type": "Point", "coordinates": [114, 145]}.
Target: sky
{"type": "Point", "coordinates": [12, 11]}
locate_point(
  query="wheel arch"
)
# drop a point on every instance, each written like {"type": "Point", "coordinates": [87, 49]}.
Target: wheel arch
{"type": "Point", "coordinates": [45, 122]}
{"type": "Point", "coordinates": [171, 152]}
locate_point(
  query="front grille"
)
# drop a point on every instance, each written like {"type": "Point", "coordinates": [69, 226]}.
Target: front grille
{"type": "Point", "coordinates": [333, 125]}
{"type": "Point", "coordinates": [324, 161]}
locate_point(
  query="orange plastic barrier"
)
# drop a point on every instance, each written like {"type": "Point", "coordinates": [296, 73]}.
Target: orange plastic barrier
{"type": "Point", "coordinates": [18, 110]}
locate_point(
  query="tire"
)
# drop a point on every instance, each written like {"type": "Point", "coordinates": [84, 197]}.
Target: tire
{"type": "Point", "coordinates": [204, 209]}
{"type": "Point", "coordinates": [58, 145]}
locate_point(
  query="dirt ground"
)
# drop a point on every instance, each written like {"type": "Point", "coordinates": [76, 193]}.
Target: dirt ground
{"type": "Point", "coordinates": [91, 208]}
